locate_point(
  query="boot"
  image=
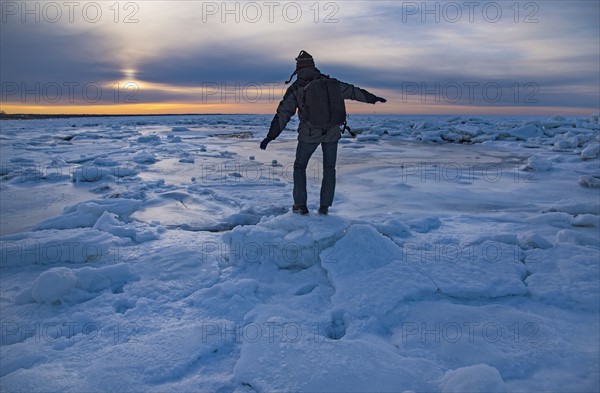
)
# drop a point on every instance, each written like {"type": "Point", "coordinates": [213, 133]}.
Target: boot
{"type": "Point", "coordinates": [300, 209]}
{"type": "Point", "coordinates": [323, 210]}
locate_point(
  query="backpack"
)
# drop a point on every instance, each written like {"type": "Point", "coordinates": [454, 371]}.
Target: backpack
{"type": "Point", "coordinates": [323, 103]}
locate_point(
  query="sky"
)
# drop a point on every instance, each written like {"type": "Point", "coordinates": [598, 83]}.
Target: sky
{"type": "Point", "coordinates": [160, 57]}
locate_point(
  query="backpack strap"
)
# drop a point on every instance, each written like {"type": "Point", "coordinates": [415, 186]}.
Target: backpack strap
{"type": "Point", "coordinates": [345, 126]}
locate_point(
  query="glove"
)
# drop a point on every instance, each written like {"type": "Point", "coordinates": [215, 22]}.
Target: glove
{"type": "Point", "coordinates": [379, 99]}
{"type": "Point", "coordinates": [264, 143]}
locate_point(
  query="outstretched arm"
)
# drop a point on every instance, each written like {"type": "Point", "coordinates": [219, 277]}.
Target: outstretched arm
{"type": "Point", "coordinates": [351, 92]}
{"type": "Point", "coordinates": [285, 111]}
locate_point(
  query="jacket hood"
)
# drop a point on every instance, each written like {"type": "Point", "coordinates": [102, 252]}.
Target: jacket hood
{"type": "Point", "coordinates": [308, 73]}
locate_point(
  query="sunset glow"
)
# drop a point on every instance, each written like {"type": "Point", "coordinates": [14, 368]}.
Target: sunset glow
{"type": "Point", "coordinates": [204, 57]}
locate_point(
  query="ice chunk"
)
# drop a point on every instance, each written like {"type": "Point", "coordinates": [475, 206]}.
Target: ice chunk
{"type": "Point", "coordinates": [470, 130]}
{"type": "Point", "coordinates": [151, 139]}
{"type": "Point", "coordinates": [62, 284]}
{"type": "Point", "coordinates": [92, 173]}
{"type": "Point", "coordinates": [173, 139]}
{"type": "Point", "coordinates": [288, 241]}
{"type": "Point", "coordinates": [362, 258]}
{"type": "Point", "coordinates": [144, 157]}
{"type": "Point", "coordinates": [109, 222]}
{"type": "Point", "coordinates": [85, 214]}
{"type": "Point", "coordinates": [378, 130]}
{"type": "Point", "coordinates": [570, 236]}
{"type": "Point", "coordinates": [572, 282]}
{"type": "Point", "coordinates": [537, 163]}
{"type": "Point", "coordinates": [591, 151]}
{"type": "Point", "coordinates": [368, 138]}
{"type": "Point", "coordinates": [50, 287]}
{"type": "Point", "coordinates": [362, 248]}
{"type": "Point", "coordinates": [425, 125]}
{"type": "Point", "coordinates": [580, 205]}
{"type": "Point", "coordinates": [431, 136]}
{"type": "Point", "coordinates": [179, 129]}
{"type": "Point", "coordinates": [532, 239]}
{"type": "Point", "coordinates": [488, 269]}
{"type": "Point", "coordinates": [105, 161]}
{"type": "Point", "coordinates": [566, 142]}
{"type": "Point", "coordinates": [424, 224]}
{"type": "Point", "coordinates": [479, 378]}
{"type": "Point", "coordinates": [589, 181]}
{"type": "Point", "coordinates": [393, 228]}
{"type": "Point", "coordinates": [557, 121]}
{"type": "Point", "coordinates": [586, 220]}
{"type": "Point", "coordinates": [525, 132]}
{"type": "Point", "coordinates": [58, 246]}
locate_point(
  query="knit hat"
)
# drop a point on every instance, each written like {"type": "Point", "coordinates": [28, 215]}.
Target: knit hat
{"type": "Point", "coordinates": [303, 60]}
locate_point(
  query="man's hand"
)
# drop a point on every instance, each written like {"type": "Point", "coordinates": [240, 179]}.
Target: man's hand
{"type": "Point", "coordinates": [380, 99]}
{"type": "Point", "coordinates": [264, 143]}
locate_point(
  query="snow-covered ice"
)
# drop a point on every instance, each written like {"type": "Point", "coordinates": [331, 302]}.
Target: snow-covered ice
{"type": "Point", "coordinates": [159, 254]}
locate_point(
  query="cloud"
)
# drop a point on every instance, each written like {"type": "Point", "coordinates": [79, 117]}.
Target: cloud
{"type": "Point", "coordinates": [177, 48]}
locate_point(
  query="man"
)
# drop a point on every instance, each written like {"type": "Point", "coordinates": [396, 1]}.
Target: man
{"type": "Point", "coordinates": [309, 136]}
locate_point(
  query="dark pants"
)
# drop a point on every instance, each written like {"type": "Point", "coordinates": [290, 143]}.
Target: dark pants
{"type": "Point", "coordinates": [304, 151]}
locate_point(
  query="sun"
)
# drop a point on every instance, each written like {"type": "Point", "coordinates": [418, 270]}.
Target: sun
{"type": "Point", "coordinates": [129, 73]}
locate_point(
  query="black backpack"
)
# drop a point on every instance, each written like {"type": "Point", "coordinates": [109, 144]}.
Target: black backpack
{"type": "Point", "coordinates": [323, 103]}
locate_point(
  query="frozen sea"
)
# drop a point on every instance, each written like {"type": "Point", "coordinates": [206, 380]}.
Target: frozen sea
{"type": "Point", "coordinates": [159, 254]}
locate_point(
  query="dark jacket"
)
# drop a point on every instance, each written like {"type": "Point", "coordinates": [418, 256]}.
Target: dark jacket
{"type": "Point", "coordinates": [292, 100]}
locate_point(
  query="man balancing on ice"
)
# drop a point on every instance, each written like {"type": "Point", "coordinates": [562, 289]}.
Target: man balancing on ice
{"type": "Point", "coordinates": [322, 113]}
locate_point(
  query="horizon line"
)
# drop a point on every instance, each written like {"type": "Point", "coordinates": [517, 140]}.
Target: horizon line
{"type": "Point", "coordinates": [33, 116]}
